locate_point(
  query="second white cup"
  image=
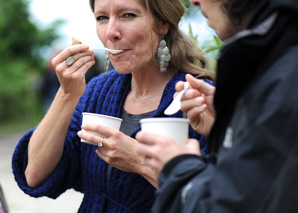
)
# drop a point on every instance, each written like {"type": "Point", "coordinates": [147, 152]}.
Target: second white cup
{"type": "Point", "coordinates": [93, 118]}
{"type": "Point", "coordinates": [175, 128]}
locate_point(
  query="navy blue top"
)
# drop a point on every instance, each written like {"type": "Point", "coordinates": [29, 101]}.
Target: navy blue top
{"type": "Point", "coordinates": [81, 168]}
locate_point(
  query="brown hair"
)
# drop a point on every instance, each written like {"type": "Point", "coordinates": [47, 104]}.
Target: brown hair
{"type": "Point", "coordinates": [185, 54]}
{"type": "Point", "coordinates": [237, 10]}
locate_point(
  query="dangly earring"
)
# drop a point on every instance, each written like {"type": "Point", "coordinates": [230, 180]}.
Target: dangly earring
{"type": "Point", "coordinates": [106, 64]}
{"type": "Point", "coordinates": [163, 56]}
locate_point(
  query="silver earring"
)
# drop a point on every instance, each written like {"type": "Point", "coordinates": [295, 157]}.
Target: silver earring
{"type": "Point", "coordinates": [163, 56]}
{"type": "Point", "coordinates": [106, 64]}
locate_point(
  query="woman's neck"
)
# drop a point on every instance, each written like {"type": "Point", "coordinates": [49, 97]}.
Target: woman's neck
{"type": "Point", "coordinates": [149, 84]}
{"type": "Point", "coordinates": [146, 92]}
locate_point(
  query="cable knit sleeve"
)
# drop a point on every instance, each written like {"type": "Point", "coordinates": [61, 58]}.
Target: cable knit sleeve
{"type": "Point", "coordinates": [67, 173]}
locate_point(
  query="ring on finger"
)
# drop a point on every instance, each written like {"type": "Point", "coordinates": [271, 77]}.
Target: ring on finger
{"type": "Point", "coordinates": [100, 143]}
{"type": "Point", "coordinates": [70, 60]}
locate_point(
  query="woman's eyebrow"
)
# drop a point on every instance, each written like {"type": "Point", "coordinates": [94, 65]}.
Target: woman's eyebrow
{"type": "Point", "coordinates": [121, 10]}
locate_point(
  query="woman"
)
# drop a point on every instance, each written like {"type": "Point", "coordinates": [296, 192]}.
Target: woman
{"type": "Point", "coordinates": [114, 179]}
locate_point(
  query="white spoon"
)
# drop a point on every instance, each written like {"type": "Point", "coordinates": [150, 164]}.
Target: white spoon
{"type": "Point", "coordinates": [175, 106]}
{"type": "Point", "coordinates": [106, 49]}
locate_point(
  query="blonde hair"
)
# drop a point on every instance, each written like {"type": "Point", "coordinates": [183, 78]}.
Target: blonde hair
{"type": "Point", "coordinates": [185, 54]}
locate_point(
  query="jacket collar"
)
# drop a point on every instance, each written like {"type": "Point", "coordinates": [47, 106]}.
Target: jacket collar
{"type": "Point", "coordinates": [247, 55]}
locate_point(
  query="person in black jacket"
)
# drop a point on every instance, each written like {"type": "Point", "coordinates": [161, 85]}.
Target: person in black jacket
{"type": "Point", "coordinates": [253, 143]}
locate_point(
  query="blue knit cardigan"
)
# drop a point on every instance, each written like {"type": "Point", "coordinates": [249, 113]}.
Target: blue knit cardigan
{"type": "Point", "coordinates": [81, 168]}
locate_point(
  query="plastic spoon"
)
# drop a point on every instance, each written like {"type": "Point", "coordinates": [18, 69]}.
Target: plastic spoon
{"type": "Point", "coordinates": [106, 49]}
{"type": "Point", "coordinates": [175, 106]}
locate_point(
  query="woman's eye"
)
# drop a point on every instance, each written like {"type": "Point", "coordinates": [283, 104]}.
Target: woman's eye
{"type": "Point", "coordinates": [100, 18]}
{"type": "Point", "coordinates": [129, 15]}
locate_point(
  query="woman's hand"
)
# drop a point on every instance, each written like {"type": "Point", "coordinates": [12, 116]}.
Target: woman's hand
{"type": "Point", "coordinates": [72, 78]}
{"type": "Point", "coordinates": [118, 149]}
{"type": "Point", "coordinates": [197, 103]}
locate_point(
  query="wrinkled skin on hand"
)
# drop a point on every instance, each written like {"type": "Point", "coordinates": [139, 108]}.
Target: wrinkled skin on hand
{"type": "Point", "coordinates": [158, 150]}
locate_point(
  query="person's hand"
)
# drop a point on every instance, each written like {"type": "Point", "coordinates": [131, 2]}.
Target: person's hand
{"type": "Point", "coordinates": [72, 77]}
{"type": "Point", "coordinates": [197, 103]}
{"type": "Point", "coordinates": [118, 149]}
{"type": "Point", "coordinates": [158, 150]}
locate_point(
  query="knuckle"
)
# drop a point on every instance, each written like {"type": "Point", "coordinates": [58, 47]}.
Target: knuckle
{"type": "Point", "coordinates": [59, 69]}
{"type": "Point", "coordinates": [54, 61]}
{"type": "Point", "coordinates": [93, 138]}
{"type": "Point", "coordinates": [69, 51]}
{"type": "Point", "coordinates": [65, 75]}
{"type": "Point", "coordinates": [117, 134]}
{"type": "Point", "coordinates": [96, 128]}
{"type": "Point", "coordinates": [112, 146]}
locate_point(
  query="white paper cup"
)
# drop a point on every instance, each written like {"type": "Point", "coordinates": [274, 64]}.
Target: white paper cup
{"type": "Point", "coordinates": [175, 128]}
{"type": "Point", "coordinates": [93, 118]}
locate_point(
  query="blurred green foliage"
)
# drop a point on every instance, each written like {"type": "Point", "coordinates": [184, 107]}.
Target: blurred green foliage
{"type": "Point", "coordinates": [210, 47]}
{"type": "Point", "coordinates": [186, 3]}
{"type": "Point", "coordinates": [20, 61]}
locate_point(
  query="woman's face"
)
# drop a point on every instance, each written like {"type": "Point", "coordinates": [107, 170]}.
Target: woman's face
{"type": "Point", "coordinates": [125, 25]}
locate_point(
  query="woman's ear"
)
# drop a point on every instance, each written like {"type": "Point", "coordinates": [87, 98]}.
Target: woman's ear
{"type": "Point", "coordinates": [163, 28]}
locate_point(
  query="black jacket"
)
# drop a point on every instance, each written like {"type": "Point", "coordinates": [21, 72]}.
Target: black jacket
{"type": "Point", "coordinates": [253, 166]}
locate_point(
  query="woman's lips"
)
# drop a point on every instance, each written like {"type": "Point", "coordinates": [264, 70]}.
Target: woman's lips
{"type": "Point", "coordinates": [123, 51]}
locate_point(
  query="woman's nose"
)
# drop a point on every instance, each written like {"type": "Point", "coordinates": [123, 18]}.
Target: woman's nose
{"type": "Point", "coordinates": [195, 3]}
{"type": "Point", "coordinates": [113, 30]}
